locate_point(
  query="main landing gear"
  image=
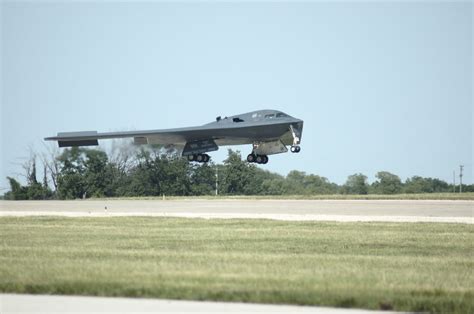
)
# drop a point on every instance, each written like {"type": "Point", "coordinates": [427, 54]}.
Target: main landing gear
{"type": "Point", "coordinates": [199, 157]}
{"type": "Point", "coordinates": [295, 149]}
{"type": "Point", "coordinates": [259, 159]}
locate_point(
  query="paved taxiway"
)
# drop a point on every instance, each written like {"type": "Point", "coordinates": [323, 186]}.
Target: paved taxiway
{"type": "Point", "coordinates": [18, 303]}
{"type": "Point", "coordinates": [303, 210]}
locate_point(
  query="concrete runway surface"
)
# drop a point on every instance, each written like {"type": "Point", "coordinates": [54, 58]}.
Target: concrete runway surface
{"type": "Point", "coordinates": [25, 303]}
{"type": "Point", "coordinates": [297, 210]}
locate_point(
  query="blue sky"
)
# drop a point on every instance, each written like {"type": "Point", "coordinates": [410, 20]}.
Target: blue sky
{"type": "Point", "coordinates": [380, 86]}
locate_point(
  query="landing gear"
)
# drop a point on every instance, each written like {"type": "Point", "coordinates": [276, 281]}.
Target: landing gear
{"type": "Point", "coordinates": [199, 157]}
{"type": "Point", "coordinates": [295, 149]}
{"type": "Point", "coordinates": [259, 159]}
{"type": "Point", "coordinates": [296, 140]}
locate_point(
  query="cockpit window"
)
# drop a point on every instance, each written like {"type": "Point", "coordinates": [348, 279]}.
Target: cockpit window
{"type": "Point", "coordinates": [237, 120]}
{"type": "Point", "coordinates": [281, 115]}
{"type": "Point", "coordinates": [269, 116]}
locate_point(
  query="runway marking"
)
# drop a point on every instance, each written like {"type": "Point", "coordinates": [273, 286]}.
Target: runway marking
{"type": "Point", "coordinates": [284, 217]}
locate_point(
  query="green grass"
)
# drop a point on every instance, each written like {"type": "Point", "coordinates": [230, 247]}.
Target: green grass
{"type": "Point", "coordinates": [409, 267]}
{"type": "Point", "coordinates": [423, 196]}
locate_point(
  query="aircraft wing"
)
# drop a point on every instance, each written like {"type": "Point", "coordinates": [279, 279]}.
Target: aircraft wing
{"type": "Point", "coordinates": [193, 139]}
{"type": "Point", "coordinates": [168, 136]}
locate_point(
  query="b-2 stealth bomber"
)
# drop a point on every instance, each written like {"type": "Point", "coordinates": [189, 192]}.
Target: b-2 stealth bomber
{"type": "Point", "coordinates": [268, 131]}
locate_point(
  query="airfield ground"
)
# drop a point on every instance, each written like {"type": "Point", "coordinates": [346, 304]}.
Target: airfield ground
{"type": "Point", "coordinates": [460, 211]}
{"type": "Point", "coordinates": [410, 196]}
{"type": "Point", "coordinates": [391, 254]}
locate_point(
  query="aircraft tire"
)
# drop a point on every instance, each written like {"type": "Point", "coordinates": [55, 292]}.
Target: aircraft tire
{"type": "Point", "coordinates": [191, 157]}
{"type": "Point", "coordinates": [206, 158]}
{"type": "Point", "coordinates": [251, 158]}
{"type": "Point", "coordinates": [295, 149]}
{"type": "Point", "coordinates": [199, 158]}
{"type": "Point", "coordinates": [265, 159]}
{"type": "Point", "coordinates": [260, 159]}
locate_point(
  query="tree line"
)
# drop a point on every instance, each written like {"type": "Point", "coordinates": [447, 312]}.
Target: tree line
{"type": "Point", "coordinates": [153, 171]}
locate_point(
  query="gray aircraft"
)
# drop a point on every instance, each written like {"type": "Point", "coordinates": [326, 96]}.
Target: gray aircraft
{"type": "Point", "coordinates": [269, 132]}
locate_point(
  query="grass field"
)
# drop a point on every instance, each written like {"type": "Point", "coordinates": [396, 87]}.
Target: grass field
{"type": "Point", "coordinates": [400, 266]}
{"type": "Point", "coordinates": [423, 196]}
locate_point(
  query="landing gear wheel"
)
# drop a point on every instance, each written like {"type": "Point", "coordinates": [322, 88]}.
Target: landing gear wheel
{"type": "Point", "coordinates": [199, 157]}
{"type": "Point", "coordinates": [265, 159]}
{"type": "Point", "coordinates": [295, 149]}
{"type": "Point", "coordinates": [259, 159]}
{"type": "Point", "coordinates": [251, 158]}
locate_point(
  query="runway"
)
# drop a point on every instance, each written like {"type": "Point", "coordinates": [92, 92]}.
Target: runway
{"type": "Point", "coordinates": [292, 210]}
{"type": "Point", "coordinates": [19, 303]}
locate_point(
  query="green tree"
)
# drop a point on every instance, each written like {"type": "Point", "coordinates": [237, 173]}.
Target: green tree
{"type": "Point", "coordinates": [71, 182]}
{"type": "Point", "coordinates": [265, 182]}
{"type": "Point", "coordinates": [276, 186]}
{"type": "Point", "coordinates": [174, 173]}
{"type": "Point", "coordinates": [387, 183]}
{"type": "Point", "coordinates": [417, 184]}
{"type": "Point", "coordinates": [466, 188]}
{"type": "Point", "coordinates": [96, 174]}
{"type": "Point", "coordinates": [17, 192]}
{"type": "Point", "coordinates": [31, 175]}
{"type": "Point", "coordinates": [157, 173]}
{"type": "Point", "coordinates": [300, 183]}
{"type": "Point", "coordinates": [314, 184]}
{"type": "Point", "coordinates": [36, 191]}
{"type": "Point", "coordinates": [118, 180]}
{"type": "Point", "coordinates": [356, 184]}
{"type": "Point", "coordinates": [294, 181]}
{"type": "Point", "coordinates": [237, 175]}
{"type": "Point", "coordinates": [203, 179]}
{"type": "Point", "coordinates": [142, 181]}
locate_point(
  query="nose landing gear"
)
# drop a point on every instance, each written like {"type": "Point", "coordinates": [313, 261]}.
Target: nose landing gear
{"type": "Point", "coordinates": [199, 157]}
{"type": "Point", "coordinates": [296, 140]}
{"type": "Point", "coordinates": [259, 159]}
{"type": "Point", "coordinates": [295, 149]}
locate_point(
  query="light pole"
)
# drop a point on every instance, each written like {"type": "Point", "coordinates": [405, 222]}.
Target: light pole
{"type": "Point", "coordinates": [454, 181]}
{"type": "Point", "coordinates": [217, 180]}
